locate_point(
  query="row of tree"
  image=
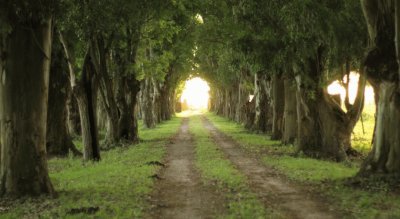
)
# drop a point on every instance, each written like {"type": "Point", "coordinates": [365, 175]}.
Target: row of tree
{"type": "Point", "coordinates": [287, 52]}
{"type": "Point", "coordinates": [74, 68]}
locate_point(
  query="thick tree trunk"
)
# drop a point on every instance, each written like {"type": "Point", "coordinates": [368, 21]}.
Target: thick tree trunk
{"type": "Point", "coordinates": [233, 98]}
{"type": "Point", "coordinates": [59, 141]}
{"type": "Point", "coordinates": [324, 129]}
{"type": "Point", "coordinates": [24, 93]}
{"type": "Point", "coordinates": [382, 68]}
{"type": "Point", "coordinates": [84, 92]}
{"type": "Point", "coordinates": [74, 122]}
{"type": "Point", "coordinates": [101, 114]}
{"type": "Point", "coordinates": [249, 114]}
{"type": "Point", "coordinates": [262, 104]}
{"type": "Point", "coordinates": [147, 103]}
{"type": "Point", "coordinates": [127, 98]}
{"type": "Point", "coordinates": [290, 113]}
{"type": "Point", "coordinates": [278, 105]}
{"type": "Point", "coordinates": [87, 113]}
{"type": "Point", "coordinates": [242, 99]}
{"type": "Point", "coordinates": [98, 54]}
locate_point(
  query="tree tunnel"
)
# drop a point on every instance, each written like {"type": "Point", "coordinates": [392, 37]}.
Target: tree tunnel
{"type": "Point", "coordinates": [122, 66]}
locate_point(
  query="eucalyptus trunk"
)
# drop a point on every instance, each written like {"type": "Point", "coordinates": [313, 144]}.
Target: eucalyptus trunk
{"type": "Point", "coordinates": [147, 101]}
{"type": "Point", "coordinates": [262, 104]}
{"type": "Point", "coordinates": [382, 68]}
{"type": "Point", "coordinates": [290, 113]}
{"type": "Point", "coordinates": [324, 129]}
{"type": "Point", "coordinates": [24, 100]}
{"type": "Point", "coordinates": [278, 105]}
{"type": "Point", "coordinates": [84, 90]}
{"type": "Point", "coordinates": [73, 119]}
{"type": "Point", "coordinates": [58, 141]}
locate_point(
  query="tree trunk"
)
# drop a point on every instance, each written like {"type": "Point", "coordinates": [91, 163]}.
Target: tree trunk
{"type": "Point", "coordinates": [98, 54]}
{"type": "Point", "coordinates": [127, 98]}
{"type": "Point", "coordinates": [324, 129]}
{"type": "Point", "coordinates": [290, 113]}
{"type": "Point", "coordinates": [24, 96]}
{"type": "Point", "coordinates": [262, 104]}
{"type": "Point", "coordinates": [249, 114]}
{"type": "Point", "coordinates": [278, 105]}
{"type": "Point", "coordinates": [84, 92]}
{"type": "Point", "coordinates": [58, 139]}
{"type": "Point", "coordinates": [242, 99]}
{"type": "Point", "coordinates": [147, 103]}
{"type": "Point", "coordinates": [382, 68]}
{"type": "Point", "coordinates": [74, 122]}
{"type": "Point", "coordinates": [384, 157]}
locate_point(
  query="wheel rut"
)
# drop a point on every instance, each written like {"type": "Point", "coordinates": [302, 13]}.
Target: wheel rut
{"type": "Point", "coordinates": [179, 192]}
{"type": "Point", "coordinates": [269, 187]}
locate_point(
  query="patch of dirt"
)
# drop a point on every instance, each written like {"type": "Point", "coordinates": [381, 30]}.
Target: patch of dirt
{"type": "Point", "coordinates": [291, 200]}
{"type": "Point", "coordinates": [179, 191]}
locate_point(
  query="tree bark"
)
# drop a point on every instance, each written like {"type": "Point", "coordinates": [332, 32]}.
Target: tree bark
{"type": "Point", "coordinates": [74, 122]}
{"type": "Point", "coordinates": [127, 100]}
{"type": "Point", "coordinates": [59, 141]}
{"type": "Point", "coordinates": [98, 54]}
{"type": "Point", "coordinates": [324, 129]}
{"type": "Point", "coordinates": [147, 103]}
{"type": "Point", "coordinates": [278, 104]}
{"type": "Point", "coordinates": [84, 92]}
{"type": "Point", "coordinates": [262, 104]}
{"type": "Point", "coordinates": [382, 68]}
{"type": "Point", "coordinates": [290, 113]}
{"type": "Point", "coordinates": [24, 96]}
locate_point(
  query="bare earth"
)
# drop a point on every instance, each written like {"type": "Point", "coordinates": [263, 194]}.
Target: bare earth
{"type": "Point", "coordinates": [179, 193]}
{"type": "Point", "coordinates": [269, 187]}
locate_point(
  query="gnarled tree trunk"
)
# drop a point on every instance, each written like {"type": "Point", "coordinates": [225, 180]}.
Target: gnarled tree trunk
{"type": "Point", "coordinates": [58, 141]}
{"type": "Point", "coordinates": [24, 92]}
{"type": "Point", "coordinates": [278, 104]}
{"type": "Point", "coordinates": [290, 113]}
{"type": "Point", "coordinates": [324, 129]}
{"type": "Point", "coordinates": [83, 90]}
{"type": "Point", "coordinates": [262, 104]}
{"type": "Point", "coordinates": [382, 68]}
{"type": "Point", "coordinates": [147, 103]}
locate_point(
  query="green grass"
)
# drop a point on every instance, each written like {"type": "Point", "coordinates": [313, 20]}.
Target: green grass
{"type": "Point", "coordinates": [118, 185]}
{"type": "Point", "coordinates": [324, 177]}
{"type": "Point", "coordinates": [242, 203]}
{"type": "Point", "coordinates": [361, 138]}
{"type": "Point", "coordinates": [310, 170]}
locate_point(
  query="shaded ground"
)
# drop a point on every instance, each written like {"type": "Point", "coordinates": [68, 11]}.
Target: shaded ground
{"type": "Point", "coordinates": [179, 192]}
{"type": "Point", "coordinates": [269, 187]}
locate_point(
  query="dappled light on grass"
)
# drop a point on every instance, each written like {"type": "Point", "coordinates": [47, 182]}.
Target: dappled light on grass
{"type": "Point", "coordinates": [195, 95]}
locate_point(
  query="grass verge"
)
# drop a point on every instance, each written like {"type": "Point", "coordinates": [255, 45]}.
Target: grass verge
{"type": "Point", "coordinates": [324, 177]}
{"type": "Point", "coordinates": [216, 169]}
{"type": "Point", "coordinates": [116, 187]}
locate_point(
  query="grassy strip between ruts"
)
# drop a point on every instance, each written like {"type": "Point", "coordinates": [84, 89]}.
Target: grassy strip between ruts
{"type": "Point", "coordinates": [324, 177]}
{"type": "Point", "coordinates": [116, 187]}
{"type": "Point", "coordinates": [242, 203]}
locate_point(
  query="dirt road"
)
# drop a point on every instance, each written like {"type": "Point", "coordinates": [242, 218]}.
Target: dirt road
{"type": "Point", "coordinates": [269, 187]}
{"type": "Point", "coordinates": [179, 192]}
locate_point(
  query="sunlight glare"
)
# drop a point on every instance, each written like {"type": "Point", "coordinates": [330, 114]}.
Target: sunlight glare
{"type": "Point", "coordinates": [337, 88]}
{"type": "Point", "coordinates": [196, 94]}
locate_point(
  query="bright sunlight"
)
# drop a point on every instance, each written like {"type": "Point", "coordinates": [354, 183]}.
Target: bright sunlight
{"type": "Point", "coordinates": [337, 88]}
{"type": "Point", "coordinates": [195, 94]}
